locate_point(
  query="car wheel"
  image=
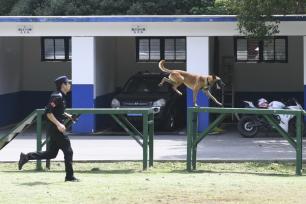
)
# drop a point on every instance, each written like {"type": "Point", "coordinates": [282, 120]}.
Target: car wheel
{"type": "Point", "coordinates": [246, 127]}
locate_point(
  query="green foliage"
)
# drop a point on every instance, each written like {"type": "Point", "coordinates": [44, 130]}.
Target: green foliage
{"type": "Point", "coordinates": [6, 6]}
{"type": "Point", "coordinates": [25, 7]}
{"type": "Point", "coordinates": [255, 17]}
{"type": "Point", "coordinates": [217, 7]}
{"type": "Point", "coordinates": [112, 7]}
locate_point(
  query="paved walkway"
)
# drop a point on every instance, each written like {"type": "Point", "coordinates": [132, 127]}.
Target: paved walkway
{"type": "Point", "coordinates": [228, 147]}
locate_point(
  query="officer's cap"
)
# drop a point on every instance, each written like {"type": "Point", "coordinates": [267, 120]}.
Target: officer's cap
{"type": "Point", "coordinates": [62, 79]}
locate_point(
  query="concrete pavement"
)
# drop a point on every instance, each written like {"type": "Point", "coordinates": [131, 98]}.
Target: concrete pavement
{"type": "Point", "coordinates": [229, 146]}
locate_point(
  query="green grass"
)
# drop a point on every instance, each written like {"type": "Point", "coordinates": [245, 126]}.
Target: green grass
{"type": "Point", "coordinates": [168, 182]}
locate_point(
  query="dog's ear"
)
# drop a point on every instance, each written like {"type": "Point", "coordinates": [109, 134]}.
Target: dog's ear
{"type": "Point", "coordinates": [213, 76]}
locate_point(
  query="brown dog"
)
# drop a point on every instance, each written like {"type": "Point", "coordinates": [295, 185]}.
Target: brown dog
{"type": "Point", "coordinates": [192, 81]}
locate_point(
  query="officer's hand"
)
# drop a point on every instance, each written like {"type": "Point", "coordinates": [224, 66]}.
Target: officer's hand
{"type": "Point", "coordinates": [61, 128]}
{"type": "Point", "coordinates": [70, 117]}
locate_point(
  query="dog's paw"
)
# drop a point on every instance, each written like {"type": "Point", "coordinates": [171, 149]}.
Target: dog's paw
{"type": "Point", "coordinates": [160, 84]}
{"type": "Point", "coordinates": [221, 105]}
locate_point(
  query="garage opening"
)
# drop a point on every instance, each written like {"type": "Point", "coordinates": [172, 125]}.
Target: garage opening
{"type": "Point", "coordinates": [28, 67]}
{"type": "Point", "coordinates": [127, 75]}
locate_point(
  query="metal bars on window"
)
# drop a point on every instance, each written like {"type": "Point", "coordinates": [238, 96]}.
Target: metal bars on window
{"type": "Point", "coordinates": [157, 48]}
{"type": "Point", "coordinates": [56, 49]}
{"type": "Point", "coordinates": [269, 50]}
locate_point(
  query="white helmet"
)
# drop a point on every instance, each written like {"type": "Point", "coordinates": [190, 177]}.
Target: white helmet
{"type": "Point", "coordinates": [262, 103]}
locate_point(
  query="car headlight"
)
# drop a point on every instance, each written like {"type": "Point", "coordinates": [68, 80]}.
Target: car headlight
{"type": "Point", "coordinates": [115, 103]}
{"type": "Point", "coordinates": [159, 103]}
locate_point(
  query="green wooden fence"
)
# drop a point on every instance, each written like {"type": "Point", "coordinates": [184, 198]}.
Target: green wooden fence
{"type": "Point", "coordinates": [194, 137]}
{"type": "Point", "coordinates": [144, 139]}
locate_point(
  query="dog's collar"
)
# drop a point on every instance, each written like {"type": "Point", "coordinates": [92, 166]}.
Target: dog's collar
{"type": "Point", "coordinates": [206, 87]}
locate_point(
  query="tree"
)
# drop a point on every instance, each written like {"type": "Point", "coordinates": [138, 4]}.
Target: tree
{"type": "Point", "coordinates": [255, 17]}
{"type": "Point", "coordinates": [216, 7]}
{"type": "Point", "coordinates": [6, 6]}
{"type": "Point", "coordinates": [110, 7]}
{"type": "Point", "coordinates": [25, 7]}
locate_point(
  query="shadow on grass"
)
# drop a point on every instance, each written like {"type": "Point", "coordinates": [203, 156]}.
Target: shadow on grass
{"type": "Point", "coordinates": [177, 171]}
{"type": "Point", "coordinates": [110, 171]}
{"type": "Point", "coordinates": [36, 183]}
{"type": "Point", "coordinates": [92, 171]}
{"type": "Point", "coordinates": [234, 172]}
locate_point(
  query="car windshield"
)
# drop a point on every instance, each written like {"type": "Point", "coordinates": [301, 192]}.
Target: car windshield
{"type": "Point", "coordinates": [145, 85]}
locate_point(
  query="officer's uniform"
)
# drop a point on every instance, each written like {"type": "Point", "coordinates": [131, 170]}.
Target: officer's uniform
{"type": "Point", "coordinates": [58, 140]}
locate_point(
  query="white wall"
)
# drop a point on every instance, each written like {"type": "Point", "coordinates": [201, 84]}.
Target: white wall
{"type": "Point", "coordinates": [112, 27]}
{"type": "Point", "coordinates": [83, 60]}
{"type": "Point", "coordinates": [188, 25]}
{"type": "Point", "coordinates": [198, 55]}
{"type": "Point", "coordinates": [267, 77]}
{"type": "Point", "coordinates": [105, 65]}
{"type": "Point", "coordinates": [10, 64]}
{"type": "Point", "coordinates": [38, 75]}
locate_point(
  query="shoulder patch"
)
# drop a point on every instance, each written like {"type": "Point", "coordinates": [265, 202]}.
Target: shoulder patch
{"type": "Point", "coordinates": [57, 95]}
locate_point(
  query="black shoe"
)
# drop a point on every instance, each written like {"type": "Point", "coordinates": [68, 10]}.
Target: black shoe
{"type": "Point", "coordinates": [22, 160]}
{"type": "Point", "coordinates": [72, 179]}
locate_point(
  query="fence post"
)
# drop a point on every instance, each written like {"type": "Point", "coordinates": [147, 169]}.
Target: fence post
{"type": "Point", "coordinates": [299, 144]}
{"type": "Point", "coordinates": [145, 141]}
{"type": "Point", "coordinates": [194, 138]}
{"type": "Point", "coordinates": [151, 139]}
{"type": "Point", "coordinates": [189, 137]}
{"type": "Point", "coordinates": [38, 137]}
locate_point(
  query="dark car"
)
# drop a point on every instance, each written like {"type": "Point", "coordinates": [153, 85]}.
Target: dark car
{"type": "Point", "coordinates": [142, 90]}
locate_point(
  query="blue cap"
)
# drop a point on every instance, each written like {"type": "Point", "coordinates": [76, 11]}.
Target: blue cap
{"type": "Point", "coordinates": [62, 79]}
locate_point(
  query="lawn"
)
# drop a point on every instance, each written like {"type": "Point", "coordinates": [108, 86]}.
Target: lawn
{"type": "Point", "coordinates": [166, 182]}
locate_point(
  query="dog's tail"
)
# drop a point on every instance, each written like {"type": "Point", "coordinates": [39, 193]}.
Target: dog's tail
{"type": "Point", "coordinates": [162, 67]}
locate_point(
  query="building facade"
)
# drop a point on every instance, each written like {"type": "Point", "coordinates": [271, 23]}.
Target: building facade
{"type": "Point", "coordinates": [101, 52]}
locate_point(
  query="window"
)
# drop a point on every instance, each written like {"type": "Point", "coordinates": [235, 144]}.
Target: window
{"type": "Point", "coordinates": [175, 49]}
{"type": "Point", "coordinates": [155, 49]}
{"type": "Point", "coordinates": [270, 50]}
{"type": "Point", "coordinates": [56, 49]}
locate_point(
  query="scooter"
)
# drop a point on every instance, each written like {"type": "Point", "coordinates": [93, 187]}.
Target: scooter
{"type": "Point", "coordinates": [249, 125]}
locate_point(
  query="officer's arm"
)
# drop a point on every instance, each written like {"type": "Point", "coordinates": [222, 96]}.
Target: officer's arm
{"type": "Point", "coordinates": [49, 112]}
{"type": "Point", "coordinates": [59, 125]}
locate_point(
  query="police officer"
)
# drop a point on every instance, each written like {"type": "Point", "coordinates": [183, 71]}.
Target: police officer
{"type": "Point", "coordinates": [55, 112]}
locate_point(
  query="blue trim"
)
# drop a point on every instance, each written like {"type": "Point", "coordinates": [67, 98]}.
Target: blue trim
{"type": "Point", "coordinates": [32, 100]}
{"type": "Point", "coordinates": [38, 99]}
{"type": "Point", "coordinates": [202, 100]}
{"type": "Point", "coordinates": [82, 97]}
{"type": "Point", "coordinates": [291, 18]}
{"type": "Point", "coordinates": [156, 18]}
{"type": "Point", "coordinates": [15, 106]}
{"type": "Point", "coordinates": [120, 19]}
{"type": "Point", "coordinates": [10, 108]}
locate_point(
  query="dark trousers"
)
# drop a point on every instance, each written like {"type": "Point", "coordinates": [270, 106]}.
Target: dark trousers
{"type": "Point", "coordinates": [57, 141]}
